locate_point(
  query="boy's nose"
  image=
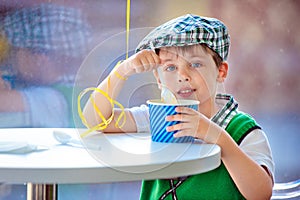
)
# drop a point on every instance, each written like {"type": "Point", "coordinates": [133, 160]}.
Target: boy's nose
{"type": "Point", "coordinates": [183, 76]}
{"type": "Point", "coordinates": [184, 79]}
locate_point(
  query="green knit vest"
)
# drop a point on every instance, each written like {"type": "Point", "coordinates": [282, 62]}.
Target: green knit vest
{"type": "Point", "coordinates": [215, 184]}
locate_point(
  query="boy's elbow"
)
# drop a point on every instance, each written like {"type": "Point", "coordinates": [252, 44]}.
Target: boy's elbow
{"type": "Point", "coordinates": [88, 118]}
{"type": "Point", "coordinates": [262, 193]}
{"type": "Point", "coordinates": [268, 193]}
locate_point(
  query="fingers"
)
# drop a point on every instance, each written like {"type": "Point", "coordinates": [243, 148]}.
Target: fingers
{"type": "Point", "coordinates": [185, 110]}
{"type": "Point", "coordinates": [149, 60]}
{"type": "Point", "coordinates": [184, 114]}
{"type": "Point", "coordinates": [187, 132]}
{"type": "Point", "coordinates": [176, 127]}
{"type": "Point", "coordinates": [155, 60]}
{"type": "Point", "coordinates": [183, 129]}
{"type": "Point", "coordinates": [189, 122]}
{"type": "Point", "coordinates": [145, 61]}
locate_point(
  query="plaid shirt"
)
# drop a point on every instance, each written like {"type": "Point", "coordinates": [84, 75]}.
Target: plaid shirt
{"type": "Point", "coordinates": [227, 112]}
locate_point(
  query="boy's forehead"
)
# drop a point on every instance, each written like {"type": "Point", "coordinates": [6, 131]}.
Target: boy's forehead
{"type": "Point", "coordinates": [167, 53]}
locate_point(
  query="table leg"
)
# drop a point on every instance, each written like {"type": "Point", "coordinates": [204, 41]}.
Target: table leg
{"type": "Point", "coordinates": [41, 191]}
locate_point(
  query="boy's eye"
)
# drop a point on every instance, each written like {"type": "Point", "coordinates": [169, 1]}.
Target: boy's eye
{"type": "Point", "coordinates": [170, 68]}
{"type": "Point", "coordinates": [196, 65]}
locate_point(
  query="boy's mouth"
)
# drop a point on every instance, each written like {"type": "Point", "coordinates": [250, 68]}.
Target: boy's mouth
{"type": "Point", "coordinates": [186, 92]}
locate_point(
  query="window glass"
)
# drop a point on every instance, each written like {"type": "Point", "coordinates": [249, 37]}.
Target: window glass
{"type": "Point", "coordinates": [43, 46]}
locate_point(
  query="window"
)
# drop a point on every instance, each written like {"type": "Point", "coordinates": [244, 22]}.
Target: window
{"type": "Point", "coordinates": [42, 52]}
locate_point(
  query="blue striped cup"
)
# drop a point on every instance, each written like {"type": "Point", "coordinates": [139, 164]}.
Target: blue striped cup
{"type": "Point", "coordinates": [158, 112]}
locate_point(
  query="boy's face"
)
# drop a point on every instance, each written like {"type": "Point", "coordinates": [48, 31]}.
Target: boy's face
{"type": "Point", "coordinates": [189, 72]}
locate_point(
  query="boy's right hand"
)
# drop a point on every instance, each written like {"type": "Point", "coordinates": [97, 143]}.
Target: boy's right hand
{"type": "Point", "coordinates": [143, 61]}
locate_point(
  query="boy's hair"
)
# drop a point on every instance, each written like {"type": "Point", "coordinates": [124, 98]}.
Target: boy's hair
{"type": "Point", "coordinates": [217, 59]}
{"type": "Point", "coordinates": [190, 30]}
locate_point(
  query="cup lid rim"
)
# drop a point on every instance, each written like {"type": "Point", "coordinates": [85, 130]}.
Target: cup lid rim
{"type": "Point", "coordinates": [181, 102]}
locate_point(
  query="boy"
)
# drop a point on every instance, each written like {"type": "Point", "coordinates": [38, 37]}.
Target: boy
{"type": "Point", "coordinates": [192, 51]}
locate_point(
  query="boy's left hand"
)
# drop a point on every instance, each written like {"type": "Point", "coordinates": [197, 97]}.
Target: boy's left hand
{"type": "Point", "coordinates": [193, 123]}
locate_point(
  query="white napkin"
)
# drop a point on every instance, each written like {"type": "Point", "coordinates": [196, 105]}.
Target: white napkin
{"type": "Point", "coordinates": [15, 147]}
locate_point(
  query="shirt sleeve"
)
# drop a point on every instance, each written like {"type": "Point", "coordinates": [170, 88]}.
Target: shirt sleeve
{"type": "Point", "coordinates": [257, 147]}
{"type": "Point", "coordinates": [141, 117]}
{"type": "Point", "coordinates": [45, 107]}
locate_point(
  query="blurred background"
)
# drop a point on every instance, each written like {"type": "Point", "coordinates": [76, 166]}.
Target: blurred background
{"type": "Point", "coordinates": [263, 69]}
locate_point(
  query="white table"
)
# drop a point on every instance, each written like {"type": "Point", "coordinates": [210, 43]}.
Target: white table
{"type": "Point", "coordinates": [120, 157]}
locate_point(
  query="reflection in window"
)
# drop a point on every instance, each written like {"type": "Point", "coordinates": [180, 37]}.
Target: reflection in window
{"type": "Point", "coordinates": [43, 48]}
{"type": "Point", "coordinates": [40, 53]}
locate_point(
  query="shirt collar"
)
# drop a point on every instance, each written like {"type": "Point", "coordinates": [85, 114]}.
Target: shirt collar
{"type": "Point", "coordinates": [229, 108]}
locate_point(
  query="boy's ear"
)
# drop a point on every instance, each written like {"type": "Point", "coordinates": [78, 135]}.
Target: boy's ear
{"type": "Point", "coordinates": [223, 70]}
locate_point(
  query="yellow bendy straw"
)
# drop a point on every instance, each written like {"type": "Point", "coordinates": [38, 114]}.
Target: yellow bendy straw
{"type": "Point", "coordinates": [105, 122]}
{"type": "Point", "coordinates": [127, 27]}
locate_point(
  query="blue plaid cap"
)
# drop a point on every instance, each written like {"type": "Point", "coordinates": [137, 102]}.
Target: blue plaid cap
{"type": "Point", "coordinates": [48, 27]}
{"type": "Point", "coordinates": [189, 30]}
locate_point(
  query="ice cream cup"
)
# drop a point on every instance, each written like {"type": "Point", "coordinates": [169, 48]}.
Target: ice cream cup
{"type": "Point", "coordinates": [158, 112]}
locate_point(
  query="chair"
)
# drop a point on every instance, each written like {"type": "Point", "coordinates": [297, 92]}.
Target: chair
{"type": "Point", "coordinates": [289, 190]}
